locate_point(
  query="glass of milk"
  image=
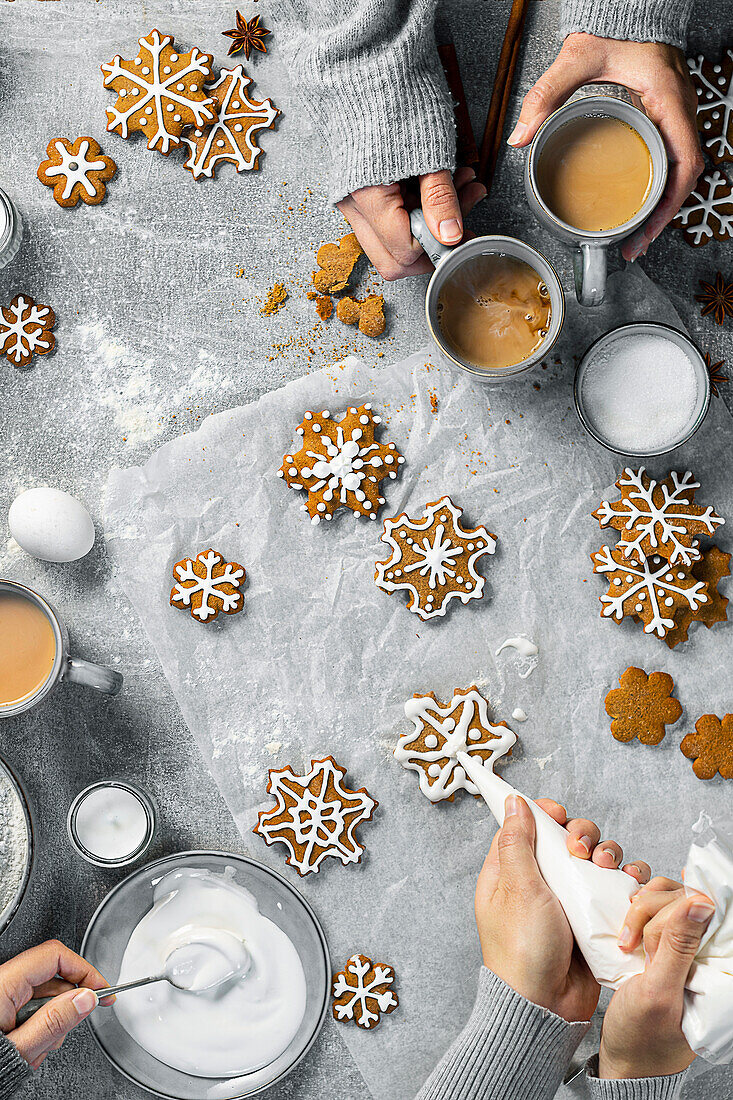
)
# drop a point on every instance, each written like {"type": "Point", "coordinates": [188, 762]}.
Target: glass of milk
{"type": "Point", "coordinates": [111, 823]}
{"type": "Point", "coordinates": [642, 389]}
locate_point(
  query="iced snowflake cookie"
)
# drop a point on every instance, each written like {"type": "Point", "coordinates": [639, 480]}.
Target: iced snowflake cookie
{"type": "Point", "coordinates": [658, 517]}
{"type": "Point", "coordinates": [315, 815]}
{"type": "Point", "coordinates": [76, 170]}
{"type": "Point", "coordinates": [232, 137]}
{"type": "Point", "coordinates": [340, 464]}
{"type": "Point", "coordinates": [707, 213]}
{"type": "Point", "coordinates": [714, 87]}
{"type": "Point", "coordinates": [441, 732]}
{"type": "Point", "coordinates": [361, 992]}
{"type": "Point", "coordinates": [642, 706]}
{"type": "Point", "coordinates": [713, 566]}
{"type": "Point", "coordinates": [206, 585]}
{"type": "Point", "coordinates": [653, 591]}
{"type": "Point", "coordinates": [711, 746]}
{"type": "Point", "coordinates": [25, 330]}
{"type": "Point", "coordinates": [159, 92]}
{"type": "Point", "coordinates": [433, 559]}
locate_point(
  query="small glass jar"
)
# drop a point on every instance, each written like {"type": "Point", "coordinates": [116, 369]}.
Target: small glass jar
{"type": "Point", "coordinates": [111, 823]}
{"type": "Point", "coordinates": [11, 229]}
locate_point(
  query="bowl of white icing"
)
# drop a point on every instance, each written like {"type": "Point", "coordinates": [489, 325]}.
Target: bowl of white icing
{"type": "Point", "coordinates": [221, 1043]}
{"type": "Point", "coordinates": [16, 844]}
{"type": "Point", "coordinates": [642, 390]}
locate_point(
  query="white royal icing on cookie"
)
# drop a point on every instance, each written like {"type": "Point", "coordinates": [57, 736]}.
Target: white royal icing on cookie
{"type": "Point", "coordinates": [444, 775]}
{"type": "Point", "coordinates": [711, 198]}
{"type": "Point", "coordinates": [360, 992]}
{"type": "Point", "coordinates": [652, 582]}
{"type": "Point", "coordinates": [236, 110]}
{"type": "Point", "coordinates": [78, 173]}
{"type": "Point", "coordinates": [24, 336]}
{"type": "Point", "coordinates": [209, 585]}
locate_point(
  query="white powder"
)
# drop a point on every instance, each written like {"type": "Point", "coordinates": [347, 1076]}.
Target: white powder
{"type": "Point", "coordinates": [640, 393]}
{"type": "Point", "coordinates": [13, 844]}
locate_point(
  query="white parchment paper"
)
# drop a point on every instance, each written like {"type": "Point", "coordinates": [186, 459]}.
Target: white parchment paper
{"type": "Point", "coordinates": [321, 661]}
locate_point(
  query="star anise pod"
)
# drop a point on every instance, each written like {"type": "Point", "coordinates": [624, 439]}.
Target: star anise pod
{"type": "Point", "coordinates": [247, 36]}
{"type": "Point", "coordinates": [716, 298]}
{"type": "Point", "coordinates": [717, 377]}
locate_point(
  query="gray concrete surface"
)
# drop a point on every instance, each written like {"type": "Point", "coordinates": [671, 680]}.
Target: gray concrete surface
{"type": "Point", "coordinates": [158, 293]}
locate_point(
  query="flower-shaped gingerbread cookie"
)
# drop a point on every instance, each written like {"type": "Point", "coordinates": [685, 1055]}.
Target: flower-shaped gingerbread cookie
{"type": "Point", "coordinates": [340, 464]}
{"type": "Point", "coordinates": [441, 732]}
{"type": "Point", "coordinates": [206, 585]}
{"type": "Point", "coordinates": [643, 706]}
{"type": "Point", "coordinates": [658, 517]}
{"type": "Point", "coordinates": [76, 170]}
{"type": "Point", "coordinates": [711, 746]}
{"type": "Point", "coordinates": [362, 992]}
{"type": "Point", "coordinates": [25, 330]}
{"type": "Point", "coordinates": [315, 815]}
{"type": "Point", "coordinates": [433, 559]}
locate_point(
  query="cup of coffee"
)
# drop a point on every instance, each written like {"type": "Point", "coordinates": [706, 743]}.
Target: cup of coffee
{"type": "Point", "coordinates": [594, 172]}
{"type": "Point", "coordinates": [494, 305]}
{"type": "Point", "coordinates": [34, 653]}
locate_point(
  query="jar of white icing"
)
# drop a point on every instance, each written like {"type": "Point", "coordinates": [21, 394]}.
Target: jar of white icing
{"type": "Point", "coordinates": [111, 823]}
{"type": "Point", "coordinates": [11, 229]}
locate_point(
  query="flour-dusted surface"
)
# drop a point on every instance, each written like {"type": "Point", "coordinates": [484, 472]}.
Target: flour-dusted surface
{"type": "Point", "coordinates": [157, 329]}
{"type": "Point", "coordinates": [14, 842]}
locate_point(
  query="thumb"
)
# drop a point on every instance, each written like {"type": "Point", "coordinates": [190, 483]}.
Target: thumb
{"type": "Point", "coordinates": [680, 942]}
{"type": "Point", "coordinates": [557, 84]}
{"type": "Point", "coordinates": [49, 1026]}
{"type": "Point", "coordinates": [515, 843]}
{"type": "Point", "coordinates": [441, 207]}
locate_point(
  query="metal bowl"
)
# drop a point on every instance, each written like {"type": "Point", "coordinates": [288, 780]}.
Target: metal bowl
{"type": "Point", "coordinates": [105, 941]}
{"type": "Point", "coordinates": [8, 911]}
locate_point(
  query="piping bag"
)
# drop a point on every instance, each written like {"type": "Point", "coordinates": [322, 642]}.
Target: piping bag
{"type": "Point", "coordinates": [596, 899]}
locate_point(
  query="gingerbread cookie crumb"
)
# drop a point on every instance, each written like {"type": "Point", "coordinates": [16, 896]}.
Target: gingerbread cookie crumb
{"type": "Point", "coordinates": [275, 300]}
{"type": "Point", "coordinates": [324, 306]}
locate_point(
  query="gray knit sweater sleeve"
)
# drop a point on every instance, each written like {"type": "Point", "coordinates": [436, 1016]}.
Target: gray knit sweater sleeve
{"type": "Point", "coordinates": [14, 1070]}
{"type": "Point", "coordinates": [635, 20]}
{"type": "Point", "coordinates": [510, 1049]}
{"type": "Point", "coordinates": [637, 1088]}
{"type": "Point", "coordinates": [369, 75]}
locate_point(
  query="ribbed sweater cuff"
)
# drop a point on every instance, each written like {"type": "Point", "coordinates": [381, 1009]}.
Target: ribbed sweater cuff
{"type": "Point", "coordinates": [632, 1088]}
{"type": "Point", "coordinates": [510, 1049]}
{"type": "Point", "coordinates": [14, 1069]}
{"type": "Point", "coordinates": [634, 20]}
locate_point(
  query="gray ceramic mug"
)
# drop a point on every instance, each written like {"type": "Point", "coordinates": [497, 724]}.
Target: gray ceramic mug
{"type": "Point", "coordinates": [448, 259]}
{"type": "Point", "coordinates": [590, 260]}
{"type": "Point", "coordinates": [65, 667]}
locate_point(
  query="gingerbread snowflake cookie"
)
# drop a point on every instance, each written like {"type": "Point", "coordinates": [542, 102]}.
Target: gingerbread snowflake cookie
{"type": "Point", "coordinates": [315, 815]}
{"type": "Point", "coordinates": [642, 706]}
{"type": "Point", "coordinates": [433, 559]}
{"type": "Point", "coordinates": [714, 87]}
{"type": "Point", "coordinates": [707, 214]}
{"type": "Point", "coordinates": [206, 585]}
{"type": "Point", "coordinates": [441, 732]}
{"type": "Point", "coordinates": [362, 992]}
{"type": "Point", "coordinates": [658, 517]}
{"type": "Point", "coordinates": [76, 170]}
{"type": "Point", "coordinates": [340, 464]}
{"type": "Point", "coordinates": [712, 568]}
{"type": "Point", "coordinates": [710, 747]}
{"type": "Point", "coordinates": [25, 330]}
{"type": "Point", "coordinates": [160, 92]}
{"type": "Point", "coordinates": [232, 138]}
{"type": "Point", "coordinates": [652, 591]}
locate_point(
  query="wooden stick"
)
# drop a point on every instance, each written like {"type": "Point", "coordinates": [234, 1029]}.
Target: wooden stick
{"type": "Point", "coordinates": [501, 93]}
{"type": "Point", "coordinates": [466, 150]}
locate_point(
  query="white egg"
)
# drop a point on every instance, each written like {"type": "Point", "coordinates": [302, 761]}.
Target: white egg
{"type": "Point", "coordinates": [51, 525]}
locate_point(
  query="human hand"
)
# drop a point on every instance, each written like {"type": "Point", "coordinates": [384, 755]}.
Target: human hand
{"type": "Point", "coordinates": [642, 1034]}
{"type": "Point", "coordinates": [525, 937]}
{"type": "Point", "coordinates": [380, 217]}
{"type": "Point", "coordinates": [657, 76]}
{"type": "Point", "coordinates": [49, 970]}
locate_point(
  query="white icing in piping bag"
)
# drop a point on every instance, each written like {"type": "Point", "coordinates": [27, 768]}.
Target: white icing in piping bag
{"type": "Point", "coordinates": [595, 899]}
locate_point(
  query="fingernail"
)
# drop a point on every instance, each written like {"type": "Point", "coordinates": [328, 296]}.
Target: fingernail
{"type": "Point", "coordinates": [450, 230]}
{"type": "Point", "coordinates": [586, 843]}
{"type": "Point", "coordinates": [611, 853]}
{"type": "Point", "coordinates": [700, 912]}
{"type": "Point", "coordinates": [633, 867]}
{"type": "Point", "coordinates": [518, 134]}
{"type": "Point", "coordinates": [625, 938]}
{"type": "Point", "coordinates": [84, 1001]}
{"type": "Point", "coordinates": [511, 806]}
{"type": "Point", "coordinates": [485, 192]}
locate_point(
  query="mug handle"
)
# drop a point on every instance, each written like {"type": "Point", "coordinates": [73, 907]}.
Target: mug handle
{"type": "Point", "coordinates": [94, 676]}
{"type": "Point", "coordinates": [589, 266]}
{"type": "Point", "coordinates": [435, 249]}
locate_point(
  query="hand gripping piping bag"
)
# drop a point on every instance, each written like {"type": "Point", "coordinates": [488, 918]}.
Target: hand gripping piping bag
{"type": "Point", "coordinates": [596, 899]}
